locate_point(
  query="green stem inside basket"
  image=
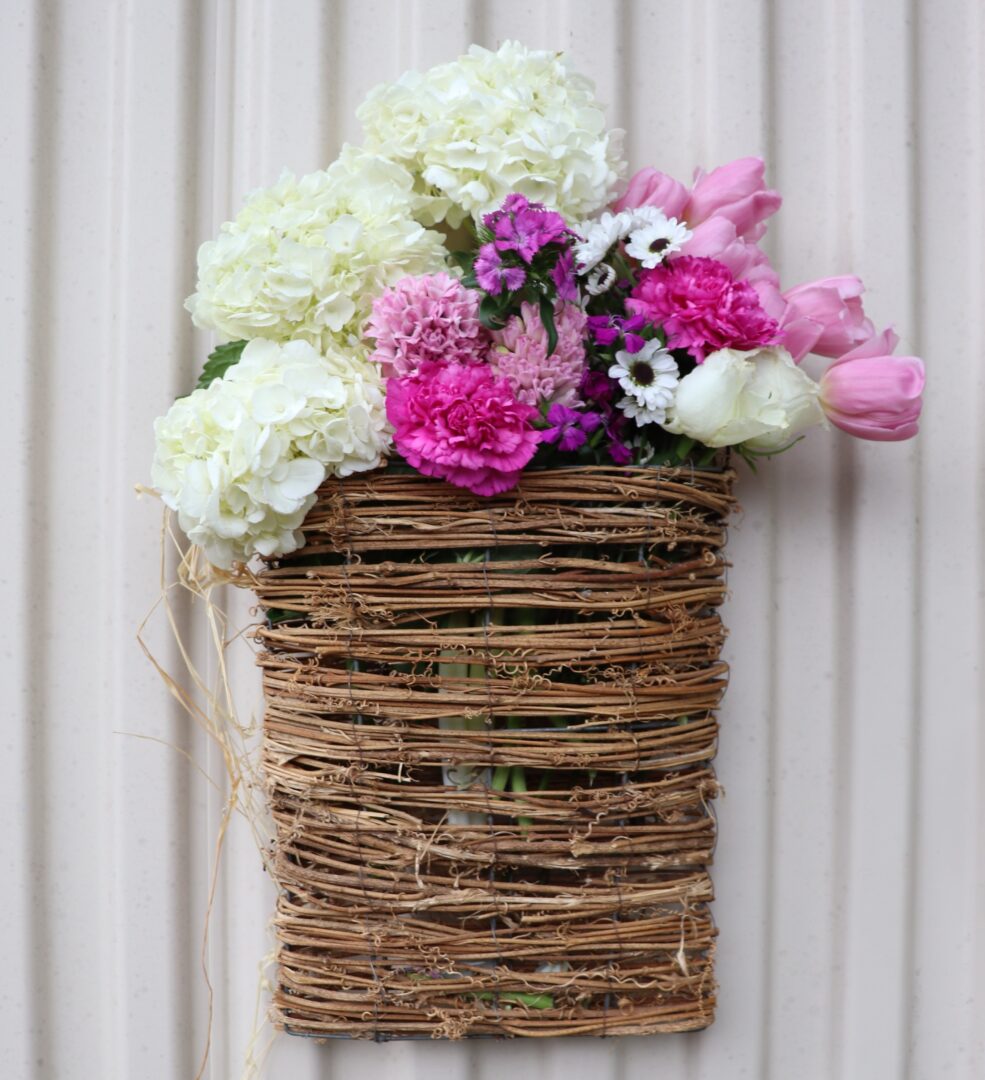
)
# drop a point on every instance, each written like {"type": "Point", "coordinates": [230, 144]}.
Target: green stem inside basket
{"type": "Point", "coordinates": [518, 785]}
{"type": "Point", "coordinates": [503, 778]}
{"type": "Point", "coordinates": [532, 1001]}
{"type": "Point", "coordinates": [461, 776]}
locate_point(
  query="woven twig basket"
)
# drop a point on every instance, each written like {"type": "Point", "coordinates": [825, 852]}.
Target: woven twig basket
{"type": "Point", "coordinates": [488, 741]}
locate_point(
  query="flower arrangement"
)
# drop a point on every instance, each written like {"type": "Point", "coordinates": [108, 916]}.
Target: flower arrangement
{"type": "Point", "coordinates": [570, 325]}
{"type": "Point", "coordinates": [490, 723]}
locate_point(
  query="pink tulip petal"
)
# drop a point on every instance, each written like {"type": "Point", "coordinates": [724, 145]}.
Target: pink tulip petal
{"type": "Point", "coordinates": [649, 187]}
{"type": "Point", "coordinates": [716, 238]}
{"type": "Point", "coordinates": [835, 304]}
{"type": "Point", "coordinates": [881, 344]}
{"type": "Point", "coordinates": [735, 191]}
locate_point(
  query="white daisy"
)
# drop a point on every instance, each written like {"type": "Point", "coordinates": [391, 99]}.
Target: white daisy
{"type": "Point", "coordinates": [600, 280]}
{"type": "Point", "coordinates": [655, 236]}
{"type": "Point", "coordinates": [649, 378]}
{"type": "Point", "coordinates": [645, 215]}
{"type": "Point", "coordinates": [643, 415]}
{"type": "Point", "coordinates": [599, 237]}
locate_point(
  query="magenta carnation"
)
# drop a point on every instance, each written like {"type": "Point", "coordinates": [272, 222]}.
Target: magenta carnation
{"type": "Point", "coordinates": [460, 423]}
{"type": "Point", "coordinates": [701, 307]}
{"type": "Point", "coordinates": [421, 319]}
{"type": "Point", "coordinates": [519, 355]}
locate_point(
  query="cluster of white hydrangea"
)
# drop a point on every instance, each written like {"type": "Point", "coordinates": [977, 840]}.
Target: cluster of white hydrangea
{"type": "Point", "coordinates": [240, 460]}
{"type": "Point", "coordinates": [295, 274]}
{"type": "Point", "coordinates": [304, 258]}
{"type": "Point", "coordinates": [490, 123]}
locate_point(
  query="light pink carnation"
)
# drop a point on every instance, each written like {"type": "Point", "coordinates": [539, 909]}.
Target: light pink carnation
{"type": "Point", "coordinates": [421, 319]}
{"type": "Point", "coordinates": [519, 355]}
{"type": "Point", "coordinates": [460, 423]}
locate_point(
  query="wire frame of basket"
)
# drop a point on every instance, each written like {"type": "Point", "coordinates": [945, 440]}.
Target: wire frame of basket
{"type": "Point", "coordinates": [488, 746]}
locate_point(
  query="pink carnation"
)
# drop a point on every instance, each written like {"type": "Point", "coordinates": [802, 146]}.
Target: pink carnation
{"type": "Point", "coordinates": [702, 308]}
{"type": "Point", "coordinates": [462, 424]}
{"type": "Point", "coordinates": [519, 355]}
{"type": "Point", "coordinates": [421, 319]}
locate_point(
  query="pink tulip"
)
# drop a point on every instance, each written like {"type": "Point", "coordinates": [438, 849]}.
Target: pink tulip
{"type": "Point", "coordinates": [717, 238]}
{"type": "Point", "coordinates": [725, 211]}
{"type": "Point", "coordinates": [733, 193]}
{"type": "Point", "coordinates": [825, 317]}
{"type": "Point", "coordinates": [737, 192]}
{"type": "Point", "coordinates": [798, 332]}
{"type": "Point", "coordinates": [872, 394]}
{"type": "Point", "coordinates": [652, 188]}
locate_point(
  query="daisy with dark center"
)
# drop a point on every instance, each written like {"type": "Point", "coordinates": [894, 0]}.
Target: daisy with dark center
{"type": "Point", "coordinates": [649, 378]}
{"type": "Point", "coordinates": [655, 237]}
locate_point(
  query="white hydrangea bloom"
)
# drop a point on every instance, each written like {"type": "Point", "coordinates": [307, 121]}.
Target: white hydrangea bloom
{"type": "Point", "coordinates": [489, 123]}
{"type": "Point", "coordinates": [240, 460]}
{"type": "Point", "coordinates": [304, 258]}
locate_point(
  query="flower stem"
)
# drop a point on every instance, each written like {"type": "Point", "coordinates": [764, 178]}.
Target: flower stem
{"type": "Point", "coordinates": [460, 776]}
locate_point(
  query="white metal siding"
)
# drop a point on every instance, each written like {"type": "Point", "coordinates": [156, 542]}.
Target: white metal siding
{"type": "Point", "coordinates": [850, 870]}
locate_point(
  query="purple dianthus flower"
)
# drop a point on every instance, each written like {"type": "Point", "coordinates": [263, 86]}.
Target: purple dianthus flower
{"type": "Point", "coordinates": [563, 276]}
{"type": "Point", "coordinates": [569, 427]}
{"type": "Point", "coordinates": [524, 227]}
{"type": "Point", "coordinates": [492, 275]}
{"type": "Point", "coordinates": [607, 329]}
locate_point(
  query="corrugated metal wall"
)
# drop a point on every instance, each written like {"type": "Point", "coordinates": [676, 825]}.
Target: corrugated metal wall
{"type": "Point", "coordinates": [851, 863]}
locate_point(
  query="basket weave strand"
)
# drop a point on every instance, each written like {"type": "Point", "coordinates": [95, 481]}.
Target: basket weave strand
{"type": "Point", "coordinates": [488, 740]}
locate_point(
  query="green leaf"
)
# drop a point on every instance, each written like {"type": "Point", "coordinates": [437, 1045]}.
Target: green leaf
{"type": "Point", "coordinates": [491, 313]}
{"type": "Point", "coordinates": [462, 259]}
{"type": "Point", "coordinates": [708, 457]}
{"type": "Point", "coordinates": [279, 615]}
{"type": "Point", "coordinates": [547, 318]}
{"type": "Point", "coordinates": [220, 360]}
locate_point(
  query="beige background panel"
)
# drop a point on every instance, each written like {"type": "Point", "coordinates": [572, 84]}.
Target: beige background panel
{"type": "Point", "coordinates": [850, 871]}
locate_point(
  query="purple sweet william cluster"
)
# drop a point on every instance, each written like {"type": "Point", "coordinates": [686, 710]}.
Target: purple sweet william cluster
{"type": "Point", "coordinates": [519, 231]}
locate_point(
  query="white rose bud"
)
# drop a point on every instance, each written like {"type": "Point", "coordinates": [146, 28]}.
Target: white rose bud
{"type": "Point", "coordinates": [760, 398]}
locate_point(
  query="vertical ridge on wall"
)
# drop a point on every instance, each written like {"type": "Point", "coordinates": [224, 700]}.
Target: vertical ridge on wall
{"type": "Point", "coordinates": [907, 1004]}
{"type": "Point", "coordinates": [36, 556]}
{"type": "Point", "coordinates": [874, 892]}
{"type": "Point", "coordinates": [850, 873]}
{"type": "Point", "coordinates": [946, 1034]}
{"type": "Point", "coordinates": [25, 201]}
{"type": "Point", "coordinates": [113, 844]}
{"type": "Point", "coordinates": [976, 1038]}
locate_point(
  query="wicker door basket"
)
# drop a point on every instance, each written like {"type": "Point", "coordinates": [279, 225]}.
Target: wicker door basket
{"type": "Point", "coordinates": [488, 741]}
